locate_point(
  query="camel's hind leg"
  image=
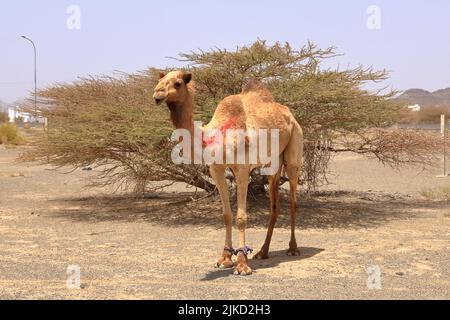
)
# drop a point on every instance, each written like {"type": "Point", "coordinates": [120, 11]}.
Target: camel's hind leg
{"type": "Point", "coordinates": [293, 174]}
{"type": "Point", "coordinates": [293, 155]}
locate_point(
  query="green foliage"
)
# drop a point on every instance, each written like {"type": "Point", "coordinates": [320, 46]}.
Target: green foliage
{"type": "Point", "coordinates": [330, 98]}
{"type": "Point", "coordinates": [97, 118]}
{"type": "Point", "coordinates": [219, 72]}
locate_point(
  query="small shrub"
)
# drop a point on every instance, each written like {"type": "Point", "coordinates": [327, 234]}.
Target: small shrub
{"type": "Point", "coordinates": [4, 117]}
{"type": "Point", "coordinates": [442, 193]}
{"type": "Point", "coordinates": [9, 134]}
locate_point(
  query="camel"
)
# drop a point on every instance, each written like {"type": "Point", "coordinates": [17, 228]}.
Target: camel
{"type": "Point", "coordinates": [253, 108]}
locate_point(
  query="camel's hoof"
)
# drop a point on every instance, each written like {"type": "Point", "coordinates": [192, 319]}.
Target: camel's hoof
{"type": "Point", "coordinates": [243, 270]}
{"type": "Point", "coordinates": [261, 255]}
{"type": "Point", "coordinates": [224, 264]}
{"type": "Point", "coordinates": [293, 252]}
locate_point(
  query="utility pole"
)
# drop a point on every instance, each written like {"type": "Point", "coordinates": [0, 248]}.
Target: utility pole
{"type": "Point", "coordinates": [35, 77]}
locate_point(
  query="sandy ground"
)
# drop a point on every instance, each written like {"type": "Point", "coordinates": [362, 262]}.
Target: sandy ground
{"type": "Point", "coordinates": [164, 247]}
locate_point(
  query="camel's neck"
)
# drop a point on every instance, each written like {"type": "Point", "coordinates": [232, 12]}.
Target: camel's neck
{"type": "Point", "coordinates": [182, 114]}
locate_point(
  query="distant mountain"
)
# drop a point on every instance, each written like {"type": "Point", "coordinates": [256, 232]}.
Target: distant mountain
{"type": "Point", "coordinates": [425, 98]}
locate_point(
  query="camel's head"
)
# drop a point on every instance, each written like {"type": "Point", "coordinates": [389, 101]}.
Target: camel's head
{"type": "Point", "coordinates": [172, 87]}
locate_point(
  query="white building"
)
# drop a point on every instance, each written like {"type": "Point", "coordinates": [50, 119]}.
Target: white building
{"type": "Point", "coordinates": [14, 113]}
{"type": "Point", "coordinates": [414, 108]}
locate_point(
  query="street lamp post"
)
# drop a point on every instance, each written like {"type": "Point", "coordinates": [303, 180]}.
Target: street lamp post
{"type": "Point", "coordinates": [35, 76]}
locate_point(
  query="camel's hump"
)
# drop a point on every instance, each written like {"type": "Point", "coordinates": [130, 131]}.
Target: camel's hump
{"type": "Point", "coordinates": [256, 86]}
{"type": "Point", "coordinates": [253, 85]}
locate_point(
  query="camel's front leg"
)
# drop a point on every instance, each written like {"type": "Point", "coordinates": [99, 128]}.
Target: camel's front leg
{"type": "Point", "coordinates": [218, 175]}
{"type": "Point", "coordinates": [242, 178]}
{"type": "Point", "coordinates": [274, 186]}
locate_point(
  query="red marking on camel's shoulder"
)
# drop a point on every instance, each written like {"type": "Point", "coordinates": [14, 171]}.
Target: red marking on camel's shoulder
{"type": "Point", "coordinates": [206, 141]}
{"type": "Point", "coordinates": [228, 124]}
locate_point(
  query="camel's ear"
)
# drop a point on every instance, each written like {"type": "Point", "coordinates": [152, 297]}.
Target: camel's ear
{"type": "Point", "coordinates": [187, 76]}
{"type": "Point", "coordinates": [161, 75]}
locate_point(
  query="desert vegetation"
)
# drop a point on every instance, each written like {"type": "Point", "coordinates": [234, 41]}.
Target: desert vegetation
{"type": "Point", "coordinates": [9, 134]}
{"type": "Point", "coordinates": [439, 194]}
{"type": "Point", "coordinates": [111, 122]}
{"type": "Point", "coordinates": [4, 117]}
{"type": "Point", "coordinates": [427, 114]}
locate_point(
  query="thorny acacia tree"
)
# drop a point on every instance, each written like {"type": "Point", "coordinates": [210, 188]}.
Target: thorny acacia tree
{"type": "Point", "coordinates": [111, 121]}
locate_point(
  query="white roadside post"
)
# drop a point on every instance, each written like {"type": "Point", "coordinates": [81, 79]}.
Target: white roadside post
{"type": "Point", "coordinates": [443, 134]}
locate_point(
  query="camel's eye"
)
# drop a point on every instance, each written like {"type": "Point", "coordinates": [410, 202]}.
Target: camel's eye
{"type": "Point", "coordinates": [177, 85]}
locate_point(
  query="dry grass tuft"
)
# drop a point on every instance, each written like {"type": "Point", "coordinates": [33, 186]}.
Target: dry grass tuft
{"type": "Point", "coordinates": [439, 194]}
{"type": "Point", "coordinates": [9, 135]}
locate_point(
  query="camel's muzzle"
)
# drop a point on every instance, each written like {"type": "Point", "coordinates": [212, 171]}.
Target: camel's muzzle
{"type": "Point", "coordinates": [159, 98]}
{"type": "Point", "coordinates": [159, 101]}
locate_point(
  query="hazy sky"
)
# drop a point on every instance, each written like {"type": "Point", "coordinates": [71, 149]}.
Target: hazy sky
{"type": "Point", "coordinates": [413, 42]}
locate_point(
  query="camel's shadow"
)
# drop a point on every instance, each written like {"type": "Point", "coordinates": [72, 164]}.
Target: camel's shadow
{"type": "Point", "coordinates": [276, 258]}
{"type": "Point", "coordinates": [323, 210]}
